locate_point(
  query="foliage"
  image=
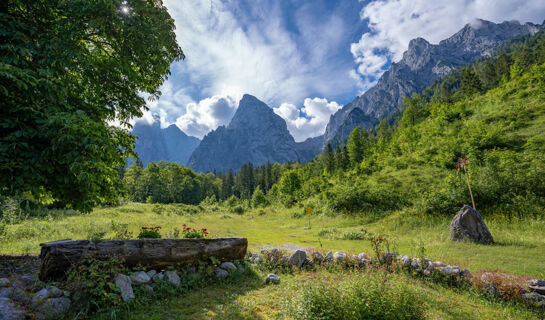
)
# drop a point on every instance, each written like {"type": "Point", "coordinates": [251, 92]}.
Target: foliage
{"type": "Point", "coordinates": [92, 283]}
{"type": "Point", "coordinates": [150, 233]}
{"type": "Point", "coordinates": [368, 296]}
{"type": "Point", "coordinates": [238, 210]}
{"type": "Point", "coordinates": [67, 71]}
{"type": "Point", "coordinates": [192, 233]}
{"type": "Point", "coordinates": [259, 199]}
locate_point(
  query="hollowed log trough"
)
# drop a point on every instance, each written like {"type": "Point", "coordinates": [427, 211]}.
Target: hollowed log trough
{"type": "Point", "coordinates": [59, 256]}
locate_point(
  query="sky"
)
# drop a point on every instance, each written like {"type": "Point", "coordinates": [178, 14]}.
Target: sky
{"type": "Point", "coordinates": [305, 59]}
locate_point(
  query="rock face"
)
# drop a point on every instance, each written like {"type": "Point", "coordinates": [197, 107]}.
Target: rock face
{"type": "Point", "coordinates": [468, 225]}
{"type": "Point", "coordinates": [255, 134]}
{"type": "Point", "coordinates": [422, 64]}
{"type": "Point", "coordinates": [169, 144]}
{"type": "Point", "coordinates": [57, 257]}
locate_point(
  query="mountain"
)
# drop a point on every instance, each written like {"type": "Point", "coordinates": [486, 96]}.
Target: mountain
{"type": "Point", "coordinates": [255, 134]}
{"type": "Point", "coordinates": [169, 144]}
{"type": "Point", "coordinates": [309, 148]}
{"type": "Point", "coordinates": [422, 64]}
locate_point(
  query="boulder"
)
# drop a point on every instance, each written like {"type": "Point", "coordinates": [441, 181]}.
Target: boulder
{"type": "Point", "coordinates": [140, 277]}
{"type": "Point", "coordinates": [272, 278]}
{"type": "Point", "coordinates": [158, 277]}
{"type": "Point", "coordinates": [46, 293]}
{"type": "Point", "coordinates": [317, 257]}
{"type": "Point", "coordinates": [4, 282]}
{"type": "Point", "coordinates": [468, 225]}
{"type": "Point", "coordinates": [172, 277]}
{"type": "Point", "coordinates": [406, 261]}
{"type": "Point", "coordinates": [466, 274]}
{"type": "Point", "coordinates": [151, 273]}
{"type": "Point", "coordinates": [228, 266]}
{"type": "Point", "coordinates": [538, 286]}
{"type": "Point", "coordinates": [28, 281]}
{"type": "Point", "coordinates": [124, 284]}
{"type": "Point", "coordinates": [329, 256]}
{"type": "Point", "coordinates": [10, 311]}
{"type": "Point", "coordinates": [220, 273]}
{"type": "Point", "coordinates": [339, 256]}
{"type": "Point", "coordinates": [534, 298]}
{"type": "Point", "coordinates": [298, 258]}
{"type": "Point", "coordinates": [52, 308]}
{"type": "Point", "coordinates": [58, 257]}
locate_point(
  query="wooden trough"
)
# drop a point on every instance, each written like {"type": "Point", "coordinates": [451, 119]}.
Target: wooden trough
{"type": "Point", "coordinates": [59, 256]}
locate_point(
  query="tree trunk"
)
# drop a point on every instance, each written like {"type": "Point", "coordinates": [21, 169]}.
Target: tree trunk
{"type": "Point", "coordinates": [57, 257]}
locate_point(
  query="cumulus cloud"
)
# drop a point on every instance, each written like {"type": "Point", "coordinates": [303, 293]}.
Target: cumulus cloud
{"type": "Point", "coordinates": [393, 23]}
{"type": "Point", "coordinates": [206, 115]}
{"type": "Point", "coordinates": [310, 120]}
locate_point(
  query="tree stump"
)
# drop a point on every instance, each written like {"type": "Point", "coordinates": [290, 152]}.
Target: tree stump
{"type": "Point", "coordinates": [59, 256]}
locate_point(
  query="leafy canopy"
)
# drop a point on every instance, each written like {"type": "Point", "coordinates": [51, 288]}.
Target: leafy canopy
{"type": "Point", "coordinates": [68, 70]}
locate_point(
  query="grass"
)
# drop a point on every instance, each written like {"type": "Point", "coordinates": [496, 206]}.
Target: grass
{"type": "Point", "coordinates": [519, 248]}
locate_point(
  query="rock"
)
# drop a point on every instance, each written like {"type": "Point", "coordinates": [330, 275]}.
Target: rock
{"type": "Point", "coordinates": [275, 251]}
{"type": "Point", "coordinates": [18, 295]}
{"type": "Point", "coordinates": [534, 298]}
{"type": "Point", "coordinates": [427, 263]}
{"type": "Point", "coordinates": [329, 256]}
{"type": "Point", "coordinates": [415, 263]}
{"type": "Point", "coordinates": [406, 261]}
{"type": "Point", "coordinates": [148, 289]}
{"type": "Point", "coordinates": [28, 281]}
{"type": "Point", "coordinates": [158, 277]}
{"type": "Point", "coordinates": [228, 266]}
{"type": "Point", "coordinates": [4, 282]}
{"type": "Point", "coordinates": [468, 225]}
{"type": "Point", "coordinates": [317, 257]}
{"type": "Point", "coordinates": [172, 277]}
{"type": "Point", "coordinates": [9, 311]}
{"type": "Point", "coordinates": [362, 256]}
{"type": "Point", "coordinates": [151, 273]}
{"type": "Point", "coordinates": [140, 277]}
{"type": "Point", "coordinates": [488, 285]}
{"type": "Point", "coordinates": [538, 289]}
{"type": "Point", "coordinates": [438, 264]}
{"type": "Point", "coordinates": [124, 284]}
{"type": "Point", "coordinates": [58, 257]}
{"type": "Point", "coordinates": [466, 274]}
{"type": "Point", "coordinates": [426, 272]}
{"type": "Point", "coordinates": [451, 270]}
{"type": "Point", "coordinates": [52, 308]}
{"type": "Point", "coordinates": [339, 256]}
{"type": "Point", "coordinates": [256, 259]}
{"type": "Point", "coordinates": [272, 278]}
{"type": "Point", "coordinates": [6, 292]}
{"type": "Point", "coordinates": [220, 273]}
{"type": "Point", "coordinates": [298, 258]}
{"type": "Point", "coordinates": [536, 285]}
{"type": "Point", "coordinates": [46, 293]}
{"type": "Point", "coordinates": [241, 268]}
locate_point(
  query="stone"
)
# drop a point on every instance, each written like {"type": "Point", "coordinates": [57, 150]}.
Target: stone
{"type": "Point", "coordinates": [57, 258]}
{"type": "Point", "coordinates": [256, 258]}
{"type": "Point", "coordinates": [228, 266]}
{"type": "Point", "coordinates": [272, 278]}
{"type": "Point", "coordinates": [275, 251]}
{"type": "Point", "coordinates": [298, 258]}
{"type": "Point", "coordinates": [451, 270]}
{"type": "Point", "coordinates": [339, 256]}
{"type": "Point", "coordinates": [151, 273]}
{"type": "Point", "coordinates": [140, 277]}
{"type": "Point", "coordinates": [405, 261]}
{"type": "Point", "coordinates": [427, 263]}
{"type": "Point", "coordinates": [387, 256]}
{"type": "Point", "coordinates": [488, 285]}
{"type": "Point", "coordinates": [10, 311]}
{"type": "Point", "coordinates": [415, 263]}
{"type": "Point", "coordinates": [329, 256]}
{"type": "Point", "coordinates": [538, 289]}
{"type": "Point", "coordinates": [426, 272]}
{"type": "Point", "coordinates": [172, 277]}
{"type": "Point", "coordinates": [317, 257]}
{"type": "Point", "coordinates": [6, 292]}
{"type": "Point", "coordinates": [468, 225]}
{"type": "Point", "coordinates": [28, 281]}
{"type": "Point", "coordinates": [466, 274]}
{"type": "Point", "coordinates": [241, 268]}
{"type": "Point", "coordinates": [19, 295]}
{"type": "Point", "coordinates": [52, 308]}
{"type": "Point", "coordinates": [220, 273]}
{"type": "Point", "coordinates": [536, 283]}
{"type": "Point", "coordinates": [363, 256]}
{"type": "Point", "coordinates": [534, 298]}
{"type": "Point", "coordinates": [124, 284]}
{"type": "Point", "coordinates": [46, 293]}
{"type": "Point", "coordinates": [438, 264]}
{"type": "Point", "coordinates": [4, 282]}
{"type": "Point", "coordinates": [158, 277]}
{"type": "Point", "coordinates": [148, 289]}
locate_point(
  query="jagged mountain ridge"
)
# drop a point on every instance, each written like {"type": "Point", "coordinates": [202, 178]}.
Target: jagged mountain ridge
{"type": "Point", "coordinates": [255, 134]}
{"type": "Point", "coordinates": [154, 143]}
{"type": "Point", "coordinates": [422, 64]}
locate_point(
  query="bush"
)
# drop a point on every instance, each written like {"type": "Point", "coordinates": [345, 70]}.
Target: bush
{"type": "Point", "coordinates": [150, 233]}
{"type": "Point", "coordinates": [369, 296]}
{"type": "Point", "coordinates": [259, 199]}
{"type": "Point", "coordinates": [238, 210]}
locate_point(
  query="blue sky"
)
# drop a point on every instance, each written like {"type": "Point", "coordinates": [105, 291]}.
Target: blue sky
{"type": "Point", "coordinates": [305, 59]}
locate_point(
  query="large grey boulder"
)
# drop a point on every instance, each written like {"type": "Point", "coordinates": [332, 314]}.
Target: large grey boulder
{"type": "Point", "coordinates": [140, 277]}
{"type": "Point", "coordinates": [172, 277]}
{"type": "Point", "coordinates": [228, 266]}
{"type": "Point", "coordinates": [46, 293]}
{"type": "Point", "coordinates": [298, 258]}
{"type": "Point", "coordinates": [468, 225]}
{"type": "Point", "coordinates": [124, 284]}
{"type": "Point", "coordinates": [534, 298]}
{"type": "Point", "coordinates": [10, 311]}
{"type": "Point", "coordinates": [52, 308]}
{"type": "Point", "coordinates": [220, 273]}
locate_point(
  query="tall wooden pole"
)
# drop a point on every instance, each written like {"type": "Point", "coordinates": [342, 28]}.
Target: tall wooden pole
{"type": "Point", "coordinates": [469, 187]}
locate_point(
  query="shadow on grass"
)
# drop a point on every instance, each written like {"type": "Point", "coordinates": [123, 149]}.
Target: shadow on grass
{"type": "Point", "coordinates": [214, 300]}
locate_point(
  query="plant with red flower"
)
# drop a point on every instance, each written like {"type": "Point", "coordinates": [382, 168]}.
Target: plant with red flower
{"type": "Point", "coordinates": [150, 233]}
{"type": "Point", "coordinates": [192, 233]}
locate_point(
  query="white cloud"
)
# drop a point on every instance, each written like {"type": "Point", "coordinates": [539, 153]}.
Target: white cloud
{"type": "Point", "coordinates": [311, 120]}
{"type": "Point", "coordinates": [393, 23]}
{"type": "Point", "coordinates": [200, 118]}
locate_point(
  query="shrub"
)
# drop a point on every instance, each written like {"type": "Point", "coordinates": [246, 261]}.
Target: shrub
{"type": "Point", "coordinates": [150, 233]}
{"type": "Point", "coordinates": [192, 233]}
{"type": "Point", "coordinates": [231, 201]}
{"type": "Point", "coordinates": [369, 296]}
{"type": "Point", "coordinates": [259, 199]}
{"type": "Point", "coordinates": [355, 235]}
{"type": "Point", "coordinates": [238, 210]}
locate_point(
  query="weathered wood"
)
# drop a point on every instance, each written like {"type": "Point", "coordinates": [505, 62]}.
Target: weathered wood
{"type": "Point", "coordinates": [59, 256]}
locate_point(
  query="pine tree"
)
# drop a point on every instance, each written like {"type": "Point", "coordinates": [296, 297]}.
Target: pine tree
{"type": "Point", "coordinates": [471, 84]}
{"type": "Point", "coordinates": [329, 159]}
{"type": "Point", "coordinates": [227, 186]}
{"type": "Point", "coordinates": [355, 147]}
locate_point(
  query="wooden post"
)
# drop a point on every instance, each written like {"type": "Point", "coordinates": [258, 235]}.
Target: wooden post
{"type": "Point", "coordinates": [469, 187]}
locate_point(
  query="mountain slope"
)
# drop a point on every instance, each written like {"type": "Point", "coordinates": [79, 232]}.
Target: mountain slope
{"type": "Point", "coordinates": [255, 134]}
{"type": "Point", "coordinates": [422, 64]}
{"type": "Point", "coordinates": [168, 144]}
